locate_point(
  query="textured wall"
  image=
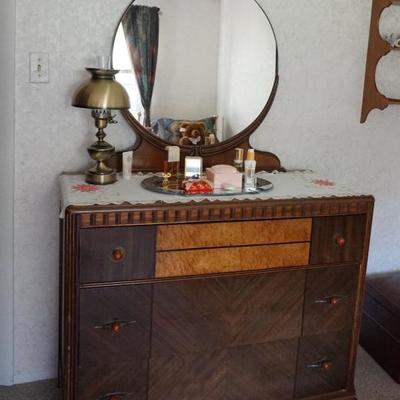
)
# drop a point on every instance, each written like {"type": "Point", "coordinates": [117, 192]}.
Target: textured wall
{"type": "Point", "coordinates": [314, 123]}
{"type": "Point", "coordinates": [7, 45]}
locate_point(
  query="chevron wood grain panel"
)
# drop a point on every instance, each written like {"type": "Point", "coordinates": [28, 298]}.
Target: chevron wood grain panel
{"type": "Point", "coordinates": [209, 314]}
{"type": "Point", "coordinates": [208, 261]}
{"type": "Point", "coordinates": [256, 372]}
{"type": "Point", "coordinates": [190, 236]}
{"type": "Point", "coordinates": [330, 283]}
{"type": "Point", "coordinates": [197, 376]}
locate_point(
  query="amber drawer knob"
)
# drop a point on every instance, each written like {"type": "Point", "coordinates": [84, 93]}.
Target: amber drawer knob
{"type": "Point", "coordinates": [118, 254]}
{"type": "Point", "coordinates": [116, 327]}
{"type": "Point", "coordinates": [340, 241]}
{"type": "Point", "coordinates": [334, 301]}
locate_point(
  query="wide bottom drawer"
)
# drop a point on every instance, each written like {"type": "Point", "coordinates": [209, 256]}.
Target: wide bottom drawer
{"type": "Point", "coordinates": [256, 372]}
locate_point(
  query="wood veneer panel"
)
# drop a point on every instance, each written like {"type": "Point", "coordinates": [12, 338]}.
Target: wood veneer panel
{"type": "Point", "coordinates": [123, 380]}
{"type": "Point", "coordinates": [257, 372]}
{"type": "Point", "coordinates": [137, 245]}
{"type": "Point", "coordinates": [175, 237]}
{"type": "Point", "coordinates": [326, 232]}
{"type": "Point", "coordinates": [263, 371]}
{"type": "Point", "coordinates": [332, 347]}
{"type": "Point", "coordinates": [197, 262]}
{"type": "Point", "coordinates": [119, 359]}
{"type": "Point", "coordinates": [214, 313]}
{"type": "Point", "coordinates": [322, 285]}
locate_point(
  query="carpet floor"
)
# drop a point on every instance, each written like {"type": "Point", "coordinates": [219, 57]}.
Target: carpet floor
{"type": "Point", "coordinates": [371, 381]}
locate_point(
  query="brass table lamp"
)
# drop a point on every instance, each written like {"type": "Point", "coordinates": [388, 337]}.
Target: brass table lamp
{"type": "Point", "coordinates": [102, 93]}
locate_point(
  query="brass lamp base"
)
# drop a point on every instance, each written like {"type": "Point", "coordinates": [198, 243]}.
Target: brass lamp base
{"type": "Point", "coordinates": [101, 151]}
{"type": "Point", "coordinates": [96, 178]}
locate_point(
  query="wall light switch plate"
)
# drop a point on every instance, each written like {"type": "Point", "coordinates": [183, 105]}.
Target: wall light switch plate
{"type": "Point", "coordinates": [39, 68]}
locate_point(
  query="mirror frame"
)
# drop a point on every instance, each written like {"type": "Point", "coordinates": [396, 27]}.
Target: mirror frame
{"type": "Point", "coordinates": [149, 148]}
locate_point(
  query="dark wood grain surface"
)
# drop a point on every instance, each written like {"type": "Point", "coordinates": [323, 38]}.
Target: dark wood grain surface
{"type": "Point", "coordinates": [333, 348]}
{"type": "Point", "coordinates": [112, 361]}
{"type": "Point", "coordinates": [330, 299]}
{"type": "Point", "coordinates": [231, 335]}
{"type": "Point", "coordinates": [257, 372]}
{"type": "Point", "coordinates": [327, 234]}
{"type": "Point", "coordinates": [207, 314]}
{"type": "Point", "coordinates": [96, 254]}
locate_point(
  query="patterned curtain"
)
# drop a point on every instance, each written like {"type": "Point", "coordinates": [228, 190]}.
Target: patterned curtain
{"type": "Point", "coordinates": [141, 28]}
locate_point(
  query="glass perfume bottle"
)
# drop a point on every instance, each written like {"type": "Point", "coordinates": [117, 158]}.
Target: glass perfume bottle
{"type": "Point", "coordinates": [250, 179]}
{"type": "Point", "coordinates": [171, 165]}
{"type": "Point", "coordinates": [238, 161]}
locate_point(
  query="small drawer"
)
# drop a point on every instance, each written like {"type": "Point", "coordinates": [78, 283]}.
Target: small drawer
{"type": "Point", "coordinates": [114, 342]}
{"type": "Point", "coordinates": [337, 239]}
{"type": "Point", "coordinates": [114, 324]}
{"type": "Point", "coordinates": [330, 299]}
{"type": "Point", "coordinates": [120, 381]}
{"type": "Point", "coordinates": [223, 260]}
{"type": "Point", "coordinates": [322, 364]}
{"type": "Point", "coordinates": [116, 254]}
{"type": "Point", "coordinates": [227, 234]}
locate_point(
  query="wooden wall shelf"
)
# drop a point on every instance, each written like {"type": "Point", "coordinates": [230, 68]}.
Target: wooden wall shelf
{"type": "Point", "coordinates": [377, 48]}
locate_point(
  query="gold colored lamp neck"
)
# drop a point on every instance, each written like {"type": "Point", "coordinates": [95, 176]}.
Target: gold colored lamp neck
{"type": "Point", "coordinates": [101, 151]}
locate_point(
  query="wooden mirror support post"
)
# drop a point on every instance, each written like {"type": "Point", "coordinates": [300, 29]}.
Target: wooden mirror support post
{"type": "Point", "coordinates": [377, 48]}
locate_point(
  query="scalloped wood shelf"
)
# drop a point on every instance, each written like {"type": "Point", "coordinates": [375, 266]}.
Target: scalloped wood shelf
{"type": "Point", "coordinates": [377, 48]}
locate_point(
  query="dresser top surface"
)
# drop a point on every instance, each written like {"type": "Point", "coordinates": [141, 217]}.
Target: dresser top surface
{"type": "Point", "coordinates": [286, 186]}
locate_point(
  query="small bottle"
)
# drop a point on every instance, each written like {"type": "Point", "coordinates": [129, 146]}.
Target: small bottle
{"type": "Point", "coordinates": [171, 165]}
{"type": "Point", "coordinates": [250, 171]}
{"type": "Point", "coordinates": [238, 162]}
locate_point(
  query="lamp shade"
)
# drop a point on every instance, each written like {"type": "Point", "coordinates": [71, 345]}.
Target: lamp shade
{"type": "Point", "coordinates": [102, 91]}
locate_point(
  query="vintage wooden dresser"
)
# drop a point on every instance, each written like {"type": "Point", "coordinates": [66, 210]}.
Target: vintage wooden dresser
{"type": "Point", "coordinates": [231, 300]}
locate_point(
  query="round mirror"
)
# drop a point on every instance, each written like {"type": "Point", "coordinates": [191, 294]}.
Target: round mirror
{"type": "Point", "coordinates": [197, 72]}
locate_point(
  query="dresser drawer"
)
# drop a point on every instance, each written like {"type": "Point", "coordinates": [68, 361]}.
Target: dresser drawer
{"type": "Point", "coordinates": [337, 239]}
{"type": "Point", "coordinates": [227, 234]}
{"type": "Point", "coordinates": [111, 320]}
{"type": "Point", "coordinates": [330, 299]}
{"type": "Point", "coordinates": [114, 342]}
{"type": "Point", "coordinates": [221, 260]}
{"type": "Point", "coordinates": [323, 363]}
{"type": "Point", "coordinates": [257, 372]}
{"type": "Point", "coordinates": [116, 254]}
{"type": "Point", "coordinates": [120, 381]}
{"type": "Point", "coordinates": [208, 314]}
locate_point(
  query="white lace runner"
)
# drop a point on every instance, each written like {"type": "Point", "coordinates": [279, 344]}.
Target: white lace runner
{"type": "Point", "coordinates": [287, 185]}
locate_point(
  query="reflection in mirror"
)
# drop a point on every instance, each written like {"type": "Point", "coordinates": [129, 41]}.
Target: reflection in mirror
{"type": "Point", "coordinates": [197, 72]}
